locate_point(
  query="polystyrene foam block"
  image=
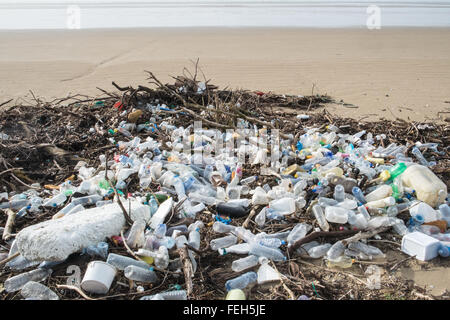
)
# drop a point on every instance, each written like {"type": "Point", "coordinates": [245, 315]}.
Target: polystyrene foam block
{"type": "Point", "coordinates": [56, 239]}
{"type": "Point", "coordinates": [420, 245]}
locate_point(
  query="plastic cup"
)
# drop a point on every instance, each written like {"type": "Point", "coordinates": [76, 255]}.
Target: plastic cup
{"type": "Point", "coordinates": [98, 277]}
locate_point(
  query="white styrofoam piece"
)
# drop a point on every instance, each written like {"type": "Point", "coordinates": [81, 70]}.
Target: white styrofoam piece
{"type": "Point", "coordinates": [56, 239]}
{"type": "Point", "coordinates": [420, 245]}
{"type": "Point", "coordinates": [161, 213]}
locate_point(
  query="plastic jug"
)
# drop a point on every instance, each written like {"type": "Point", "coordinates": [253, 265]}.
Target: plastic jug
{"type": "Point", "coordinates": [426, 184]}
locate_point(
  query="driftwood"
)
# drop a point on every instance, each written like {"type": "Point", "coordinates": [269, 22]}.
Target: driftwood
{"type": "Point", "coordinates": [9, 224]}
{"type": "Point", "coordinates": [187, 268]}
{"type": "Point", "coordinates": [317, 234]}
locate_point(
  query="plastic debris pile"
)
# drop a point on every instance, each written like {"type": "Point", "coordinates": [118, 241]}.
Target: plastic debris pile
{"type": "Point", "coordinates": [144, 209]}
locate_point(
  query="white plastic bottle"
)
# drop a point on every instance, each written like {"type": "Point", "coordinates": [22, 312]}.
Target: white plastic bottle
{"type": "Point", "coordinates": [336, 215]}
{"type": "Point", "coordinates": [339, 193]}
{"type": "Point", "coordinates": [426, 184]}
{"type": "Point", "coordinates": [381, 203]}
{"type": "Point", "coordinates": [381, 192]}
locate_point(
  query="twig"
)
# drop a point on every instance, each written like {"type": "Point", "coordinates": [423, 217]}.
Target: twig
{"type": "Point", "coordinates": [75, 288]}
{"type": "Point", "coordinates": [395, 266]}
{"type": "Point", "coordinates": [364, 235]}
{"type": "Point", "coordinates": [187, 268]}
{"type": "Point", "coordinates": [125, 214]}
{"type": "Point", "coordinates": [9, 224]}
{"type": "Point", "coordinates": [4, 261]}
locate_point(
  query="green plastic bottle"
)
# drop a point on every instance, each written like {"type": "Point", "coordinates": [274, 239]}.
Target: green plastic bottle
{"type": "Point", "coordinates": [397, 170]}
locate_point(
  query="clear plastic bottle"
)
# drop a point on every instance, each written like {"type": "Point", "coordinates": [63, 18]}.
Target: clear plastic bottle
{"type": "Point", "coordinates": [359, 195]}
{"type": "Point", "coordinates": [336, 250]}
{"type": "Point", "coordinates": [241, 248]}
{"type": "Point", "coordinates": [103, 203]}
{"type": "Point", "coordinates": [339, 193]}
{"type": "Point", "coordinates": [220, 227]}
{"type": "Point", "coordinates": [140, 274]}
{"type": "Point", "coordinates": [382, 221]}
{"type": "Point", "coordinates": [298, 232]}
{"type": "Point", "coordinates": [358, 221]}
{"type": "Point", "coordinates": [121, 262]}
{"type": "Point", "coordinates": [223, 242]}
{"type": "Point", "coordinates": [77, 208]}
{"type": "Point", "coordinates": [283, 206]}
{"type": "Point", "coordinates": [55, 201]}
{"type": "Point", "coordinates": [364, 212]}
{"type": "Point", "coordinates": [366, 249]}
{"type": "Point", "coordinates": [242, 281]}
{"type": "Point", "coordinates": [194, 239]}
{"type": "Point", "coordinates": [336, 215]}
{"type": "Point", "coordinates": [101, 250]}
{"type": "Point", "coordinates": [325, 202]}
{"type": "Point", "coordinates": [263, 251]}
{"type": "Point", "coordinates": [38, 291]}
{"type": "Point", "coordinates": [167, 295]}
{"type": "Point", "coordinates": [400, 228]}
{"type": "Point", "coordinates": [244, 263]}
{"type": "Point", "coordinates": [92, 199]}
{"type": "Point", "coordinates": [260, 218]}
{"type": "Point", "coordinates": [17, 282]}
{"type": "Point", "coordinates": [343, 262]}
{"type": "Point", "coordinates": [136, 237]}
{"type": "Point", "coordinates": [445, 213]}
{"type": "Point", "coordinates": [319, 251]}
{"type": "Point", "coordinates": [249, 180]}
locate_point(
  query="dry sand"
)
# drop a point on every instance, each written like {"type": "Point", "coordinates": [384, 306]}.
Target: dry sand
{"type": "Point", "coordinates": [389, 72]}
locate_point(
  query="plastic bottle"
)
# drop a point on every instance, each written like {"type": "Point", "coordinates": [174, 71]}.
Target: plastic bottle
{"type": "Point", "coordinates": [298, 232]}
{"type": "Point", "coordinates": [426, 184]}
{"type": "Point", "coordinates": [194, 239]}
{"type": "Point", "coordinates": [260, 218]}
{"type": "Point", "coordinates": [359, 195]}
{"type": "Point", "coordinates": [249, 180]}
{"type": "Point", "coordinates": [263, 251]}
{"type": "Point", "coordinates": [17, 282]}
{"type": "Point", "coordinates": [37, 291]}
{"type": "Point", "coordinates": [242, 281]}
{"type": "Point", "coordinates": [167, 295]}
{"type": "Point", "coordinates": [244, 263]}
{"type": "Point", "coordinates": [400, 228]}
{"type": "Point", "coordinates": [220, 227]}
{"type": "Point", "coordinates": [381, 203]}
{"type": "Point", "coordinates": [445, 213]}
{"type": "Point", "coordinates": [324, 202]}
{"type": "Point", "coordinates": [140, 274]}
{"type": "Point", "coordinates": [102, 203]}
{"type": "Point", "coordinates": [424, 210]}
{"type": "Point", "coordinates": [382, 221]}
{"type": "Point", "coordinates": [416, 152]}
{"type": "Point", "coordinates": [283, 206]}
{"type": "Point", "coordinates": [363, 210]}
{"type": "Point", "coordinates": [340, 262]}
{"type": "Point", "coordinates": [92, 199]}
{"type": "Point", "coordinates": [336, 250]}
{"type": "Point", "coordinates": [444, 251]}
{"type": "Point", "coordinates": [55, 201]}
{"type": "Point", "coordinates": [77, 208]}
{"type": "Point", "coordinates": [223, 242]}
{"type": "Point", "coordinates": [348, 204]}
{"type": "Point", "coordinates": [241, 248]}
{"type": "Point", "coordinates": [381, 192]}
{"type": "Point", "coordinates": [101, 250]}
{"type": "Point", "coordinates": [231, 210]}
{"type": "Point", "coordinates": [366, 249]}
{"type": "Point", "coordinates": [336, 215]}
{"type": "Point", "coordinates": [320, 217]}
{"type": "Point", "coordinates": [339, 193]}
{"type": "Point", "coordinates": [136, 237]}
{"type": "Point", "coordinates": [319, 251]}
{"type": "Point", "coordinates": [121, 262]}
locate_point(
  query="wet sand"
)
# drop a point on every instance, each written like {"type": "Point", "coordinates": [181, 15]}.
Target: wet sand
{"type": "Point", "coordinates": [391, 72]}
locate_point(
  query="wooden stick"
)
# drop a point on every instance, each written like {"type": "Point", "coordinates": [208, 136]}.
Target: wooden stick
{"type": "Point", "coordinates": [9, 224]}
{"type": "Point", "coordinates": [364, 235]}
{"type": "Point", "coordinates": [75, 288]}
{"type": "Point", "coordinates": [4, 261]}
{"type": "Point", "coordinates": [187, 268]}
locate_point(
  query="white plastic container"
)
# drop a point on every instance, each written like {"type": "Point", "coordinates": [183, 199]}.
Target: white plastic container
{"type": "Point", "coordinates": [98, 277]}
{"type": "Point", "coordinates": [420, 245]}
{"type": "Point", "coordinates": [283, 206]}
{"type": "Point", "coordinates": [381, 192]}
{"type": "Point", "coordinates": [426, 184]}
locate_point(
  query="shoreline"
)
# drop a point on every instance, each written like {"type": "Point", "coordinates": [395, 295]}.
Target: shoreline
{"type": "Point", "coordinates": [392, 72]}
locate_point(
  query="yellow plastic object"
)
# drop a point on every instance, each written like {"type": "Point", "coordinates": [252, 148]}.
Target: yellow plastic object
{"type": "Point", "coordinates": [235, 294]}
{"type": "Point", "coordinates": [385, 175]}
{"type": "Point", "coordinates": [148, 260]}
{"type": "Point", "coordinates": [292, 169]}
{"type": "Point", "coordinates": [375, 160]}
{"type": "Point", "coordinates": [51, 186]}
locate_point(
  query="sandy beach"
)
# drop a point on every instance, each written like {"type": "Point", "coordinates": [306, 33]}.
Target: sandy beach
{"type": "Point", "coordinates": [392, 72]}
